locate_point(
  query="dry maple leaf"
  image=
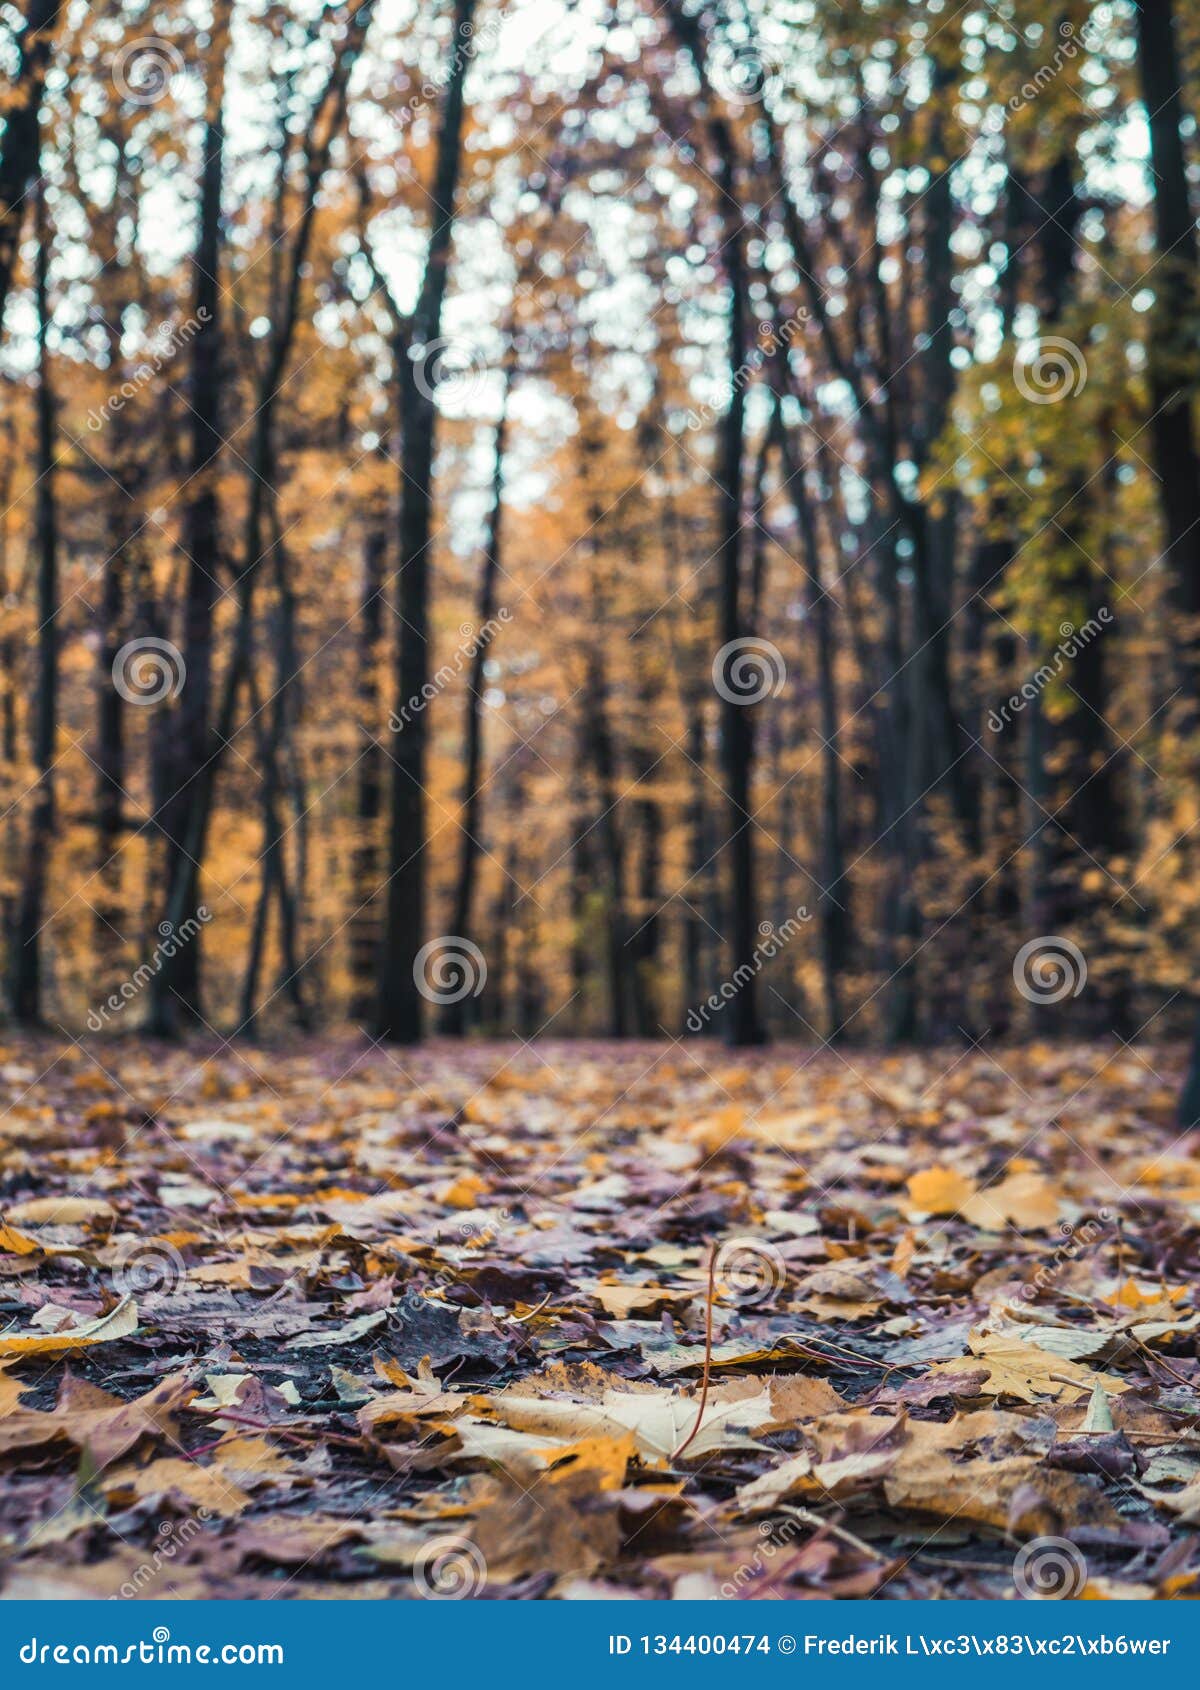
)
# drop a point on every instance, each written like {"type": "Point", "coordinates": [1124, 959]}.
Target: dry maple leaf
{"type": "Point", "coordinates": [93, 1419]}
{"type": "Point", "coordinates": [1023, 1372]}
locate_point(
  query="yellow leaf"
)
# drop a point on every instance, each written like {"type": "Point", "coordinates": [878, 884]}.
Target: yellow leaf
{"type": "Point", "coordinates": [1131, 1296]}
{"type": "Point", "coordinates": [464, 1193]}
{"type": "Point", "coordinates": [713, 1132]}
{"type": "Point", "coordinates": [1025, 1373]}
{"type": "Point", "coordinates": [11, 1392]}
{"type": "Point", "coordinates": [16, 1242]}
{"type": "Point", "coordinates": [391, 1371]}
{"type": "Point", "coordinates": [604, 1457]}
{"type": "Point", "coordinates": [120, 1322]}
{"type": "Point", "coordinates": [939, 1191]}
{"type": "Point", "coordinates": [622, 1301]}
{"type": "Point", "coordinates": [207, 1487]}
{"type": "Point", "coordinates": [1025, 1200]}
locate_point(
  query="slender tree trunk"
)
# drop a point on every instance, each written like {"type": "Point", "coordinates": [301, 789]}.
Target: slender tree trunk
{"type": "Point", "coordinates": [1171, 350]}
{"type": "Point", "coordinates": [1172, 363]}
{"type": "Point", "coordinates": [834, 915]}
{"type": "Point", "coordinates": [9, 743]}
{"type": "Point", "coordinates": [109, 758]}
{"type": "Point", "coordinates": [399, 1011]}
{"type": "Point", "coordinates": [365, 851]}
{"type": "Point", "coordinates": [25, 982]}
{"type": "Point", "coordinates": [741, 1024]}
{"type": "Point", "coordinates": [696, 826]}
{"type": "Point", "coordinates": [579, 894]}
{"type": "Point", "coordinates": [177, 987]}
{"type": "Point", "coordinates": [19, 147]}
{"type": "Point", "coordinates": [647, 831]}
{"type": "Point", "coordinates": [601, 754]}
{"type": "Point", "coordinates": [124, 522]}
{"type": "Point", "coordinates": [175, 991]}
{"type": "Point", "coordinates": [274, 729]}
{"type": "Point", "coordinates": [454, 1015]}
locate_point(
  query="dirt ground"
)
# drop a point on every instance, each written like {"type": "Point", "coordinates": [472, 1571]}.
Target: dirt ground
{"type": "Point", "coordinates": [572, 1320]}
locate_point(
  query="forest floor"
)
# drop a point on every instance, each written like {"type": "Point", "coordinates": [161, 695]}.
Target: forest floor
{"type": "Point", "coordinates": [339, 1321]}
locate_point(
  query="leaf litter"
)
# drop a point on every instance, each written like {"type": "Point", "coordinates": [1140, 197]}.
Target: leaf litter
{"type": "Point", "coordinates": [581, 1320]}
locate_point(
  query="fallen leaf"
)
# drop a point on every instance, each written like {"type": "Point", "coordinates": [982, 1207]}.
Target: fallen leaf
{"type": "Point", "coordinates": [1023, 1200]}
{"type": "Point", "coordinates": [938, 1191]}
{"type": "Point", "coordinates": [62, 1211]}
{"type": "Point", "coordinates": [121, 1322]}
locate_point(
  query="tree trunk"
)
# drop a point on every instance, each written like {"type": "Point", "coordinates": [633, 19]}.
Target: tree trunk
{"type": "Point", "coordinates": [600, 752]}
{"type": "Point", "coordinates": [695, 824]}
{"type": "Point", "coordinates": [19, 148]}
{"type": "Point", "coordinates": [454, 1015]}
{"type": "Point", "coordinates": [740, 1020]}
{"type": "Point", "coordinates": [124, 525]}
{"type": "Point", "coordinates": [833, 887]}
{"type": "Point", "coordinates": [177, 987]}
{"type": "Point", "coordinates": [1171, 349]}
{"type": "Point", "coordinates": [175, 991]}
{"type": "Point", "coordinates": [25, 982]}
{"type": "Point", "coordinates": [399, 1011]}
{"type": "Point", "coordinates": [365, 853]}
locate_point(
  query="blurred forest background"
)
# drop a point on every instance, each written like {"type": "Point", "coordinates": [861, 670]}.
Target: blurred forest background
{"type": "Point", "coordinates": [611, 518]}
